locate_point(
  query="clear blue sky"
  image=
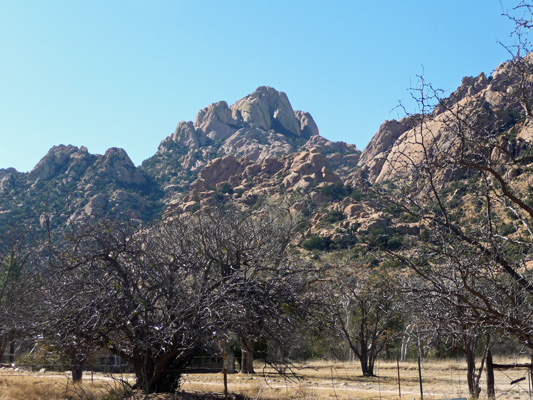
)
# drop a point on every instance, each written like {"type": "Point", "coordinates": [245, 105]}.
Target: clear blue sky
{"type": "Point", "coordinates": [104, 73]}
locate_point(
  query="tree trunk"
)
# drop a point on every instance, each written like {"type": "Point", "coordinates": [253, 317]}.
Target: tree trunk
{"type": "Point", "coordinates": [490, 377]}
{"type": "Point", "coordinates": [3, 346]}
{"type": "Point", "coordinates": [247, 350]}
{"type": "Point", "coordinates": [76, 367]}
{"type": "Point", "coordinates": [12, 352]}
{"type": "Point", "coordinates": [473, 385]}
{"type": "Point", "coordinates": [157, 376]}
{"type": "Point", "coordinates": [229, 360]}
{"type": "Point", "coordinates": [367, 366]}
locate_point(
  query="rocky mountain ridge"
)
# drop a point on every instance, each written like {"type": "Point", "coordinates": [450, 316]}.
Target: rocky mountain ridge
{"type": "Point", "coordinates": [72, 183]}
{"type": "Point", "coordinates": [258, 147]}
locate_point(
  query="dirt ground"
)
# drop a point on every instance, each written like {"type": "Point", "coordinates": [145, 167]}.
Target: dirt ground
{"type": "Point", "coordinates": [317, 380]}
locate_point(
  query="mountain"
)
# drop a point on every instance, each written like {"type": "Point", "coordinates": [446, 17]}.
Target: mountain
{"type": "Point", "coordinates": [261, 147]}
{"type": "Point", "coordinates": [261, 126]}
{"type": "Point", "coordinates": [69, 183]}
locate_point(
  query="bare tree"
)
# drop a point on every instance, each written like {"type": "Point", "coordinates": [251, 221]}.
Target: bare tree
{"type": "Point", "coordinates": [156, 296]}
{"type": "Point", "coordinates": [462, 172]}
{"type": "Point", "coordinates": [18, 287]}
{"type": "Point", "coordinates": [249, 249]}
{"type": "Point", "coordinates": [446, 322]}
{"type": "Point", "coordinates": [366, 306]}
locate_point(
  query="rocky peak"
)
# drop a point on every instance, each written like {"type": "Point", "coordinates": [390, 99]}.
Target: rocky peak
{"type": "Point", "coordinates": [308, 127]}
{"type": "Point", "coordinates": [258, 127]}
{"type": "Point", "coordinates": [186, 135]}
{"type": "Point", "coordinates": [266, 108]}
{"type": "Point", "coordinates": [117, 165]}
{"type": "Point", "coordinates": [57, 160]}
{"type": "Point", "coordinates": [7, 171]}
{"type": "Point", "coordinates": [216, 121]}
{"type": "Point", "coordinates": [470, 86]}
{"type": "Point", "coordinates": [375, 153]}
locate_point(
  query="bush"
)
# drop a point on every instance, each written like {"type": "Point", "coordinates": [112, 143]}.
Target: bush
{"type": "Point", "coordinates": [508, 229]}
{"type": "Point", "coordinates": [336, 191]}
{"type": "Point", "coordinates": [225, 188]}
{"type": "Point", "coordinates": [333, 216]}
{"type": "Point", "coordinates": [317, 243]}
{"type": "Point", "coordinates": [356, 195]}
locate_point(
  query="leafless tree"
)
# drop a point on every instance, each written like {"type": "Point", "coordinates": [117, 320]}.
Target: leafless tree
{"type": "Point", "coordinates": [249, 249]}
{"type": "Point", "coordinates": [18, 286]}
{"type": "Point", "coordinates": [446, 323]}
{"type": "Point", "coordinates": [463, 171]}
{"type": "Point", "coordinates": [156, 296]}
{"type": "Point", "coordinates": [366, 307]}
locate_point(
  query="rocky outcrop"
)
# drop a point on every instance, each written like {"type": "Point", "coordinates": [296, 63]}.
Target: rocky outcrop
{"type": "Point", "coordinates": [306, 170]}
{"type": "Point", "coordinates": [256, 144]}
{"type": "Point", "coordinates": [374, 155]}
{"type": "Point", "coordinates": [61, 159]}
{"type": "Point", "coordinates": [265, 110]}
{"type": "Point", "coordinates": [186, 135]}
{"type": "Point", "coordinates": [116, 165]}
{"type": "Point", "coordinates": [260, 126]}
{"type": "Point", "coordinates": [218, 171]}
{"type": "Point", "coordinates": [308, 127]}
{"type": "Point", "coordinates": [340, 157]}
{"type": "Point", "coordinates": [216, 121]}
{"type": "Point", "coordinates": [247, 180]}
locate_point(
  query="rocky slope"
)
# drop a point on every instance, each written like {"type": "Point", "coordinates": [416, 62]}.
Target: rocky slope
{"type": "Point", "coordinates": [69, 182]}
{"type": "Point", "coordinates": [261, 126]}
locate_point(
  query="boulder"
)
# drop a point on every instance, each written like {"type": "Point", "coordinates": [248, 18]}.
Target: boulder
{"type": "Point", "coordinates": [216, 121]}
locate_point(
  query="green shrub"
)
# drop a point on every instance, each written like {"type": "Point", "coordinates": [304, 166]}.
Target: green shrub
{"type": "Point", "coordinates": [225, 188]}
{"type": "Point", "coordinates": [333, 216]}
{"type": "Point", "coordinates": [508, 229]}
{"type": "Point", "coordinates": [317, 243]}
{"type": "Point", "coordinates": [336, 191]}
{"type": "Point", "coordinates": [356, 195]}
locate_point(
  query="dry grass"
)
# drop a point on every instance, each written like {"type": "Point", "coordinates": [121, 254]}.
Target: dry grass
{"type": "Point", "coordinates": [30, 386]}
{"type": "Point", "coordinates": [315, 380]}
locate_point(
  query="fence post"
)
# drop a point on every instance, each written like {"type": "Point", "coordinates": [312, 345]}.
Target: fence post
{"type": "Point", "coordinates": [420, 379]}
{"type": "Point", "coordinates": [224, 371]}
{"type": "Point", "coordinates": [490, 377]}
{"type": "Point", "coordinates": [399, 384]}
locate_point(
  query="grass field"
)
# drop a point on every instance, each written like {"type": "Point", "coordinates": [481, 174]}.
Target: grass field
{"type": "Point", "coordinates": [315, 380]}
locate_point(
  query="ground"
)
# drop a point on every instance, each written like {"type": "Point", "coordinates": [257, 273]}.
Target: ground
{"type": "Point", "coordinates": [316, 380]}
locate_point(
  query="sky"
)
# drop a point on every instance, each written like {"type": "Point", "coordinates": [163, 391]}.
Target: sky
{"type": "Point", "coordinates": [123, 73]}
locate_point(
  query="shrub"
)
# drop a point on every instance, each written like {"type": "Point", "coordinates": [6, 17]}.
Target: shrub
{"type": "Point", "coordinates": [317, 243]}
{"type": "Point", "coordinates": [225, 188]}
{"type": "Point", "coordinates": [333, 216]}
{"type": "Point", "coordinates": [336, 191]}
